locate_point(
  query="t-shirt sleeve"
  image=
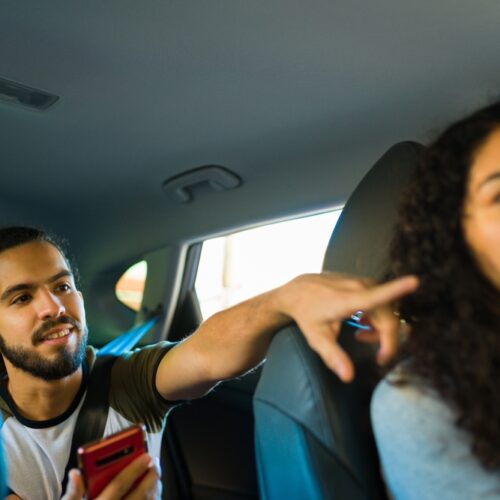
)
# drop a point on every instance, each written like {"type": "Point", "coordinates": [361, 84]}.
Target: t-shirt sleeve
{"type": "Point", "coordinates": [423, 454]}
{"type": "Point", "coordinates": [133, 391]}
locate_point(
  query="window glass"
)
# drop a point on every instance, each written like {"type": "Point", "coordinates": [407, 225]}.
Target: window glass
{"type": "Point", "coordinates": [235, 267]}
{"type": "Point", "coordinates": [130, 287]}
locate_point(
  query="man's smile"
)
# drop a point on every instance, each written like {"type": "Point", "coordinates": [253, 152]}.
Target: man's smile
{"type": "Point", "coordinates": [58, 334]}
{"type": "Point", "coordinates": [56, 331]}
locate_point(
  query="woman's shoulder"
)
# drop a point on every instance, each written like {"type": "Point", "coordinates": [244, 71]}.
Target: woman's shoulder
{"type": "Point", "coordinates": [417, 438]}
{"type": "Point", "coordinates": [404, 396]}
{"type": "Point", "coordinates": [413, 404]}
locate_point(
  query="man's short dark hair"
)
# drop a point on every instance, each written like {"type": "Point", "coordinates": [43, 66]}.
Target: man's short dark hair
{"type": "Point", "coordinates": [13, 236]}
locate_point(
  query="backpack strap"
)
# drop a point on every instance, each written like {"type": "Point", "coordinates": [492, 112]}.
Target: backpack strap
{"type": "Point", "coordinates": [92, 418]}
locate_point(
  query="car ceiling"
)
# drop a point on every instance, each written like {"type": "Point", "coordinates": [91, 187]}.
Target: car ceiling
{"type": "Point", "coordinates": [298, 98]}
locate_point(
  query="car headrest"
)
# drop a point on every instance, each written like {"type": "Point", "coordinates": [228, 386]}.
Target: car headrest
{"type": "Point", "coordinates": [313, 432]}
{"type": "Point", "coordinates": [360, 242]}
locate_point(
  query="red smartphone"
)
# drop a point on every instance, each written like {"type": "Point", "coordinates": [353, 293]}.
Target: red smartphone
{"type": "Point", "coordinates": [102, 460]}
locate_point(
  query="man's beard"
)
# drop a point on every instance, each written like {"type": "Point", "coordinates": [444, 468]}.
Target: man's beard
{"type": "Point", "coordinates": [33, 363]}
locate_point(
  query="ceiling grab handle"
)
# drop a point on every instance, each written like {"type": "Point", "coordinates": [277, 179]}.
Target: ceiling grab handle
{"type": "Point", "coordinates": [216, 177]}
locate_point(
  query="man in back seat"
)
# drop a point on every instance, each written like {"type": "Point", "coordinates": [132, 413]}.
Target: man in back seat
{"type": "Point", "coordinates": [43, 341]}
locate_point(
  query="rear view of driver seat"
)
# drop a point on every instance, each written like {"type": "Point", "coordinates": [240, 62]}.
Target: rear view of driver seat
{"type": "Point", "coordinates": [312, 432]}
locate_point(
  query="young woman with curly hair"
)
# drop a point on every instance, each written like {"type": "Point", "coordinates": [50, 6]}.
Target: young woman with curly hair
{"type": "Point", "coordinates": [436, 416]}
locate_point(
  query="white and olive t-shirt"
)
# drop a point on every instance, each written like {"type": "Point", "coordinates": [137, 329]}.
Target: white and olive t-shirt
{"type": "Point", "coordinates": [37, 451]}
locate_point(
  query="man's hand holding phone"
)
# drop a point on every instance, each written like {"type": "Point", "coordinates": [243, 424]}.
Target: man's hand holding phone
{"type": "Point", "coordinates": [149, 486]}
{"type": "Point", "coordinates": [117, 466]}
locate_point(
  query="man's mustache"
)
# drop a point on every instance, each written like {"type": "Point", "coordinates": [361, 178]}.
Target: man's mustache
{"type": "Point", "coordinates": [39, 333]}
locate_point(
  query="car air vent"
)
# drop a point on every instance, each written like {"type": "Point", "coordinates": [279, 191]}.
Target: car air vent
{"type": "Point", "coordinates": [16, 93]}
{"type": "Point", "coordinates": [182, 187]}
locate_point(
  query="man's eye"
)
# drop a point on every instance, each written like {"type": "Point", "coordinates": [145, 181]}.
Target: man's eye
{"type": "Point", "coordinates": [22, 299]}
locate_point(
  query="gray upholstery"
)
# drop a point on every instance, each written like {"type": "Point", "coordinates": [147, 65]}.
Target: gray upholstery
{"type": "Point", "coordinates": [312, 432]}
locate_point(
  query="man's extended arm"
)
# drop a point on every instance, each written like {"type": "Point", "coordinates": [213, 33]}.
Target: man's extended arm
{"type": "Point", "coordinates": [235, 340]}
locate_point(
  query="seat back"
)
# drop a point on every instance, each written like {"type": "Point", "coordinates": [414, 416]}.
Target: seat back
{"type": "Point", "coordinates": [312, 432]}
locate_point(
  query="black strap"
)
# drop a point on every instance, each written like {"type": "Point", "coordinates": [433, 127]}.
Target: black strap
{"type": "Point", "coordinates": [92, 418]}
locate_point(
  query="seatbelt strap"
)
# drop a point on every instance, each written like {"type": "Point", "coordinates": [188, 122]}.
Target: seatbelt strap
{"type": "Point", "coordinates": [128, 339]}
{"type": "Point", "coordinates": [93, 414]}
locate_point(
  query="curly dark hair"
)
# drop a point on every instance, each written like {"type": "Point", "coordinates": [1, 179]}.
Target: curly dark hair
{"type": "Point", "coordinates": [454, 315]}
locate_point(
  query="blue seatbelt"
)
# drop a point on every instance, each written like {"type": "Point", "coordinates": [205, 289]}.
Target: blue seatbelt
{"type": "Point", "coordinates": [128, 339]}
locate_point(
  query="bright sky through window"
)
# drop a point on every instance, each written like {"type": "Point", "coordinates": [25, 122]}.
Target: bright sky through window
{"type": "Point", "coordinates": [235, 267]}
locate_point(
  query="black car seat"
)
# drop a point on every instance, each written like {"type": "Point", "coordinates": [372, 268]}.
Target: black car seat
{"type": "Point", "coordinates": [312, 432]}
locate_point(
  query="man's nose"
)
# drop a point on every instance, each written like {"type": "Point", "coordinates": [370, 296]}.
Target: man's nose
{"type": "Point", "coordinates": [50, 305]}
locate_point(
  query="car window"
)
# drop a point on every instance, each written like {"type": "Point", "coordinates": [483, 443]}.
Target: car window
{"type": "Point", "coordinates": [130, 287]}
{"type": "Point", "coordinates": [237, 266]}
